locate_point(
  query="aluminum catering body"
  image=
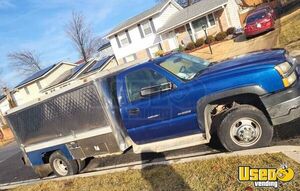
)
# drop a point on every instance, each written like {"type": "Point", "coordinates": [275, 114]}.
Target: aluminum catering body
{"type": "Point", "coordinates": [77, 120]}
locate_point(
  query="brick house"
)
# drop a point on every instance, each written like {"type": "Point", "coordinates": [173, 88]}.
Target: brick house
{"type": "Point", "coordinates": [167, 25]}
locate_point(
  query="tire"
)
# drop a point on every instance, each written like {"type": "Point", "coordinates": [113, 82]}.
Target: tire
{"type": "Point", "coordinates": [61, 166]}
{"type": "Point", "coordinates": [42, 171]}
{"type": "Point", "coordinates": [244, 127]}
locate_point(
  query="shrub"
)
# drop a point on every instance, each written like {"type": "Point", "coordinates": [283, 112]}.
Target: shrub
{"type": "Point", "coordinates": [159, 53]}
{"type": "Point", "coordinates": [180, 48]}
{"type": "Point", "coordinates": [190, 46]}
{"type": "Point", "coordinates": [209, 39]}
{"type": "Point", "coordinates": [199, 42]}
{"type": "Point", "coordinates": [230, 30]}
{"type": "Point", "coordinates": [221, 36]}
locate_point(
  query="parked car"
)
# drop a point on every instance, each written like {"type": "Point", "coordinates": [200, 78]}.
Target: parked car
{"type": "Point", "coordinates": [267, 8]}
{"type": "Point", "coordinates": [175, 101]}
{"type": "Point", "coordinates": [259, 22]}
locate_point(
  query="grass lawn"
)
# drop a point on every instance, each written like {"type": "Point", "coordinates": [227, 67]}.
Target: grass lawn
{"type": "Point", "coordinates": [289, 36]}
{"type": "Point", "coordinates": [212, 174]}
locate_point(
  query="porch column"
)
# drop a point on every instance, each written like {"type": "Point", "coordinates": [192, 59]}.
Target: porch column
{"type": "Point", "coordinates": [193, 32]}
{"type": "Point", "coordinates": [226, 15]}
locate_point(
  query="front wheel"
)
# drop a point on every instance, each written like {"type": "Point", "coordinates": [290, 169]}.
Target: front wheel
{"type": "Point", "coordinates": [61, 166]}
{"type": "Point", "coordinates": [244, 127]}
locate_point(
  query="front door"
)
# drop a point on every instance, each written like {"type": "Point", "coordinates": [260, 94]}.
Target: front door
{"type": "Point", "coordinates": [173, 43]}
{"type": "Point", "coordinates": [145, 117]}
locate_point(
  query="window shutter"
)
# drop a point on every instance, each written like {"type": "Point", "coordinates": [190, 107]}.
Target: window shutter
{"type": "Point", "coordinates": [128, 36]}
{"type": "Point", "coordinates": [152, 25]}
{"type": "Point", "coordinates": [141, 31]}
{"type": "Point", "coordinates": [118, 41]}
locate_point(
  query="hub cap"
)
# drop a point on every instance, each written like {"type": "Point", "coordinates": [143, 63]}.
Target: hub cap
{"type": "Point", "coordinates": [245, 132]}
{"type": "Point", "coordinates": [60, 167]}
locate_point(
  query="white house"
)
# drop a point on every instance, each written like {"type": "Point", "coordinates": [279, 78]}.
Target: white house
{"type": "Point", "coordinates": [167, 25]}
{"type": "Point", "coordinates": [30, 88]}
{"type": "Point", "coordinates": [82, 71]}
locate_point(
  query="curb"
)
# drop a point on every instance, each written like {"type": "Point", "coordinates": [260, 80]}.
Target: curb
{"type": "Point", "coordinates": [292, 152]}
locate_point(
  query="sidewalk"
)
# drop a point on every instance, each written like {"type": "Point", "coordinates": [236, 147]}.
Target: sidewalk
{"type": "Point", "coordinates": [240, 157]}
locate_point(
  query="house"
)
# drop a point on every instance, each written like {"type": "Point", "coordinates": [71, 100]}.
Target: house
{"type": "Point", "coordinates": [31, 87]}
{"type": "Point", "coordinates": [81, 71]}
{"type": "Point", "coordinates": [167, 25]}
{"type": "Point", "coordinates": [104, 50]}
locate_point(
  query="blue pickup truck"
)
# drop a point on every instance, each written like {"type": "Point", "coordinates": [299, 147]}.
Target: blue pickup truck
{"type": "Point", "coordinates": [171, 102]}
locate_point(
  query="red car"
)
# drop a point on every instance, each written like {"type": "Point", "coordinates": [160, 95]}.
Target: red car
{"type": "Point", "coordinates": [266, 7]}
{"type": "Point", "coordinates": [258, 22]}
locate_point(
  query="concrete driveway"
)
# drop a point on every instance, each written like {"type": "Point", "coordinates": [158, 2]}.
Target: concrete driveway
{"type": "Point", "coordinates": [239, 45]}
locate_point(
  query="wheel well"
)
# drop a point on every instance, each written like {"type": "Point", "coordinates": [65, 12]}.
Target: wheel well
{"type": "Point", "coordinates": [46, 156]}
{"type": "Point", "coordinates": [221, 105]}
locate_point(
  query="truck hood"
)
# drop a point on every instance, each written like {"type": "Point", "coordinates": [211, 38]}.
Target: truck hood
{"type": "Point", "coordinates": [264, 58]}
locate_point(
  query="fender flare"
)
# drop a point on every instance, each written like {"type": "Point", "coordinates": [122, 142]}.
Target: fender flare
{"type": "Point", "coordinates": [203, 102]}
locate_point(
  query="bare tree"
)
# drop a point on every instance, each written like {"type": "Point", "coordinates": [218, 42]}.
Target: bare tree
{"type": "Point", "coordinates": [26, 62]}
{"type": "Point", "coordinates": [81, 35]}
{"type": "Point", "coordinates": [183, 3]}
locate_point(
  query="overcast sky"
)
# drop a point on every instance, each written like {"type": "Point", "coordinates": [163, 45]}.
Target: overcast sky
{"type": "Point", "coordinates": [39, 25]}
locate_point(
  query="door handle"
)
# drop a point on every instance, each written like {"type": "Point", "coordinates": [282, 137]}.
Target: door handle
{"type": "Point", "coordinates": [133, 111]}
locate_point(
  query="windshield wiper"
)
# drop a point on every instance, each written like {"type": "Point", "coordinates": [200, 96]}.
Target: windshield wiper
{"type": "Point", "coordinates": [201, 71]}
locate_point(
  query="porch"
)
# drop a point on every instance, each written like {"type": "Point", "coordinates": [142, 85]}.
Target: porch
{"type": "Point", "coordinates": [192, 29]}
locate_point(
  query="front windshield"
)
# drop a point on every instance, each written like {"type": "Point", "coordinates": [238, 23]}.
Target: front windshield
{"type": "Point", "coordinates": [184, 66]}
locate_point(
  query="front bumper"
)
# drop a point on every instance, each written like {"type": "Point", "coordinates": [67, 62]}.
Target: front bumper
{"type": "Point", "coordinates": [284, 106]}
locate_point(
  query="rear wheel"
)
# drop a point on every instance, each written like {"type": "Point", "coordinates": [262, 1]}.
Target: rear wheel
{"type": "Point", "coordinates": [244, 127]}
{"type": "Point", "coordinates": [61, 166]}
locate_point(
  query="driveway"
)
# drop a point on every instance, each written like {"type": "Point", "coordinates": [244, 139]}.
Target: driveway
{"type": "Point", "coordinates": [239, 45]}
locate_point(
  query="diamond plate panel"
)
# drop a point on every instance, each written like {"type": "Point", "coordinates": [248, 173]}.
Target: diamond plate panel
{"type": "Point", "coordinates": [75, 111]}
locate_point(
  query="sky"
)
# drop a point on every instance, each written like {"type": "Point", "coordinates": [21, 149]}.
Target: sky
{"type": "Point", "coordinates": [39, 25]}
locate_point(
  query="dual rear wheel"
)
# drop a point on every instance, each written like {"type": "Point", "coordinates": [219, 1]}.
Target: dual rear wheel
{"type": "Point", "coordinates": [62, 166]}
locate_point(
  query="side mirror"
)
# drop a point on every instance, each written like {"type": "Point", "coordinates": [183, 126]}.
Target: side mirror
{"type": "Point", "coordinates": [156, 89]}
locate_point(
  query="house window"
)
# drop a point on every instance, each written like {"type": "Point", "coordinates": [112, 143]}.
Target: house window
{"type": "Point", "coordinates": [197, 24]}
{"type": "Point", "coordinates": [27, 91]}
{"type": "Point", "coordinates": [123, 39]}
{"type": "Point", "coordinates": [208, 20]}
{"type": "Point", "coordinates": [129, 58]}
{"type": "Point", "coordinates": [211, 19]}
{"type": "Point", "coordinates": [39, 85]}
{"type": "Point", "coordinates": [153, 50]}
{"type": "Point", "coordinates": [147, 28]}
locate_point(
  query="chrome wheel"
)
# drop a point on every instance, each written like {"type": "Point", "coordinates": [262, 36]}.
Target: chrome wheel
{"type": "Point", "coordinates": [60, 167]}
{"type": "Point", "coordinates": [245, 132]}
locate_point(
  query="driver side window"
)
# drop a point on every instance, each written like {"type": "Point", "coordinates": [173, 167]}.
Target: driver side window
{"type": "Point", "coordinates": [139, 79]}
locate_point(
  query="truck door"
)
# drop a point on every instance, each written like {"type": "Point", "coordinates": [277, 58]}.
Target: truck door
{"type": "Point", "coordinates": [145, 117]}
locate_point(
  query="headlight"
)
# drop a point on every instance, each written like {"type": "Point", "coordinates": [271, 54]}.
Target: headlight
{"type": "Point", "coordinates": [288, 76]}
{"type": "Point", "coordinates": [289, 80]}
{"type": "Point", "coordinates": [283, 68]}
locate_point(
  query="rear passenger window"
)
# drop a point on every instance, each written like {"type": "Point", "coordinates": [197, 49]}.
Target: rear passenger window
{"type": "Point", "coordinates": [143, 78]}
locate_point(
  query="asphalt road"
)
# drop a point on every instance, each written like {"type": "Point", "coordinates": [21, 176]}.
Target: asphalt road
{"type": "Point", "coordinates": [13, 170]}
